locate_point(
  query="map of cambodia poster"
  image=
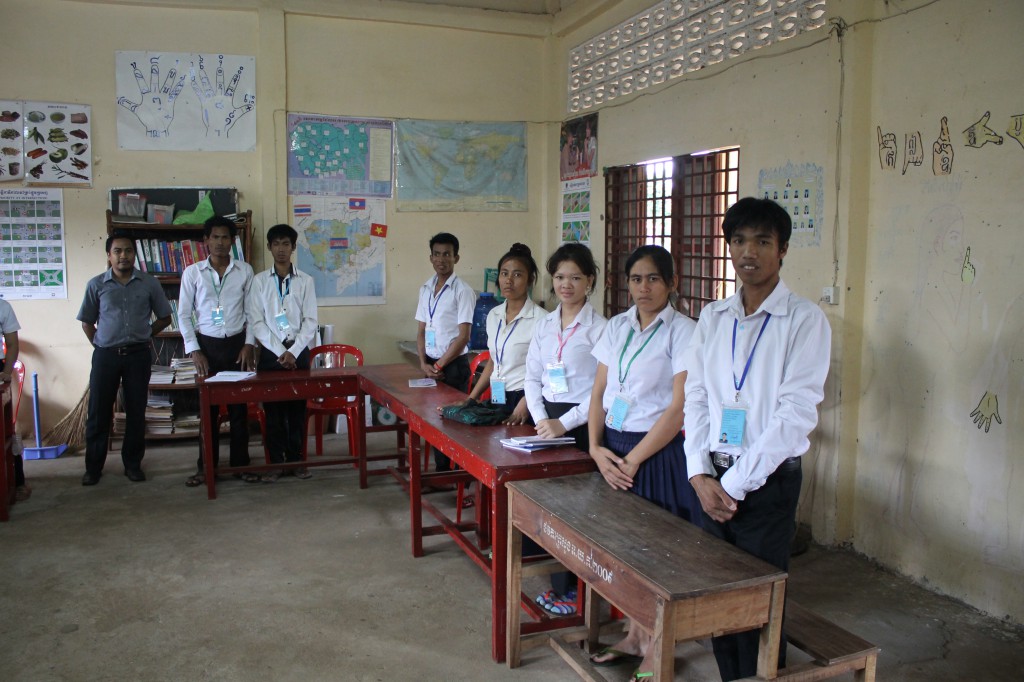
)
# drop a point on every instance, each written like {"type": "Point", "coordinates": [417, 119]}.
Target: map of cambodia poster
{"type": "Point", "coordinates": [338, 156]}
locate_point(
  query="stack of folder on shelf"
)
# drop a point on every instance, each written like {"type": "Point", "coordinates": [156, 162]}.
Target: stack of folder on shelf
{"type": "Point", "coordinates": [161, 374]}
{"type": "Point", "coordinates": [184, 370]}
{"type": "Point", "coordinates": [531, 443]}
{"type": "Point", "coordinates": [159, 416]}
{"type": "Point", "coordinates": [187, 423]}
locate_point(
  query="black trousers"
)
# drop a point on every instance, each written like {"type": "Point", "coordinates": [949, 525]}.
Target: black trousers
{"type": "Point", "coordinates": [286, 420]}
{"type": "Point", "coordinates": [128, 367]}
{"type": "Point", "coordinates": [763, 525]}
{"type": "Point", "coordinates": [456, 375]}
{"type": "Point", "coordinates": [222, 356]}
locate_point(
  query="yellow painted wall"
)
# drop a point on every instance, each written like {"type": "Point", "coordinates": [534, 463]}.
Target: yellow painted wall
{"type": "Point", "coordinates": [897, 468]}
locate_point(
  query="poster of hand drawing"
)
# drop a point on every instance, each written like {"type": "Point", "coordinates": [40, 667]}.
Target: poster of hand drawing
{"type": "Point", "coordinates": [185, 101]}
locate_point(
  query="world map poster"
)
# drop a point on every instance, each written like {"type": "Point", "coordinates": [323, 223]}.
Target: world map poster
{"type": "Point", "coordinates": [452, 166]}
{"type": "Point", "coordinates": [342, 247]}
{"type": "Point", "coordinates": [338, 156]}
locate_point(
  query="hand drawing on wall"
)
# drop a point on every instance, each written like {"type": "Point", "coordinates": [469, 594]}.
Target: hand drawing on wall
{"type": "Point", "coordinates": [913, 151]}
{"type": "Point", "coordinates": [986, 411]}
{"type": "Point", "coordinates": [886, 149]}
{"type": "Point", "coordinates": [1016, 128]}
{"type": "Point", "coordinates": [979, 134]}
{"type": "Point", "coordinates": [155, 109]}
{"type": "Point", "coordinates": [171, 117]}
{"type": "Point", "coordinates": [942, 151]}
{"type": "Point", "coordinates": [219, 111]}
{"type": "Point", "coordinates": [967, 272]}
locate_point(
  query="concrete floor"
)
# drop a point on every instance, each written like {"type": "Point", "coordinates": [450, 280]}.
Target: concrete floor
{"type": "Point", "coordinates": [314, 580]}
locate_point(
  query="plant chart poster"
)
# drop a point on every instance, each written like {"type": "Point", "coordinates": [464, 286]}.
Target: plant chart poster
{"type": "Point", "coordinates": [185, 101]}
{"type": "Point", "coordinates": [32, 253]}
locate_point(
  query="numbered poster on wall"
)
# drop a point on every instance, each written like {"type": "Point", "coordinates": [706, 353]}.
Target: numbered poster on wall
{"type": "Point", "coordinates": [58, 144]}
{"type": "Point", "coordinates": [32, 262]}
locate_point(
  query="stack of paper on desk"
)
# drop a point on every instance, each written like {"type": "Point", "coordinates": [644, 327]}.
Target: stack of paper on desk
{"type": "Point", "coordinates": [531, 443]}
{"type": "Point", "coordinates": [230, 376]}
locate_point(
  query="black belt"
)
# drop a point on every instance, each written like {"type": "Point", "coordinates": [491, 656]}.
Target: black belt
{"type": "Point", "coordinates": [128, 349]}
{"type": "Point", "coordinates": [724, 461]}
{"type": "Point", "coordinates": [289, 343]}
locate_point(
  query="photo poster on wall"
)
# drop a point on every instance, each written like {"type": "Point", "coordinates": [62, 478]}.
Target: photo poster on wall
{"type": "Point", "coordinates": [800, 189]}
{"type": "Point", "coordinates": [12, 140]}
{"type": "Point", "coordinates": [46, 143]}
{"type": "Point", "coordinates": [185, 101]}
{"type": "Point", "coordinates": [340, 156]}
{"type": "Point", "coordinates": [342, 246]}
{"type": "Point", "coordinates": [32, 252]}
{"type": "Point", "coordinates": [577, 148]}
{"type": "Point", "coordinates": [575, 223]}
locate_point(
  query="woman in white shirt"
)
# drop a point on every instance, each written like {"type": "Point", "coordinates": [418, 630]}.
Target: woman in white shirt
{"type": "Point", "coordinates": [509, 330]}
{"type": "Point", "coordinates": [636, 409]}
{"type": "Point", "coordinates": [560, 371]}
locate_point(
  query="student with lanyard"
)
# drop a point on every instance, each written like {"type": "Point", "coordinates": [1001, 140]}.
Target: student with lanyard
{"type": "Point", "coordinates": [9, 330]}
{"type": "Point", "coordinates": [115, 315]}
{"type": "Point", "coordinates": [445, 316]}
{"type": "Point", "coordinates": [757, 366]}
{"type": "Point", "coordinates": [560, 370]}
{"type": "Point", "coordinates": [283, 318]}
{"type": "Point", "coordinates": [509, 330]}
{"type": "Point", "coordinates": [216, 290]}
{"type": "Point", "coordinates": [636, 410]}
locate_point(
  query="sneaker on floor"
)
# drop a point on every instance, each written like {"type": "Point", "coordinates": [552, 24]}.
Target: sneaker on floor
{"type": "Point", "coordinates": [302, 473]}
{"type": "Point", "coordinates": [561, 608]}
{"type": "Point", "coordinates": [546, 598]}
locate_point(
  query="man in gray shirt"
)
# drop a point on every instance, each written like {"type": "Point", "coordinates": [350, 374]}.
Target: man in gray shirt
{"type": "Point", "coordinates": [115, 316]}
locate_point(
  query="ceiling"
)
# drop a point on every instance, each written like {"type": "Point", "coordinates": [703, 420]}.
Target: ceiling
{"type": "Point", "coordinates": [549, 7]}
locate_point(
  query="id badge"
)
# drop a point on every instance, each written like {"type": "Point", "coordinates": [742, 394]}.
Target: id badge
{"type": "Point", "coordinates": [616, 416]}
{"type": "Point", "coordinates": [556, 378]}
{"type": "Point", "coordinates": [498, 391]}
{"type": "Point", "coordinates": [282, 321]}
{"type": "Point", "coordinates": [217, 317]}
{"type": "Point", "coordinates": [431, 339]}
{"type": "Point", "coordinates": [734, 421]}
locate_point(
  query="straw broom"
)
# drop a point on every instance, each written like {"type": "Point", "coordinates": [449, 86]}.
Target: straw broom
{"type": "Point", "coordinates": [71, 429]}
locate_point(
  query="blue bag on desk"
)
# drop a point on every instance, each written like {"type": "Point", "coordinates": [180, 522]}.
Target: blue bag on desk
{"type": "Point", "coordinates": [474, 413]}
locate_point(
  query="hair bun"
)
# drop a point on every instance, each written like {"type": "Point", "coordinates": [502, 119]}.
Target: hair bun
{"type": "Point", "coordinates": [520, 250]}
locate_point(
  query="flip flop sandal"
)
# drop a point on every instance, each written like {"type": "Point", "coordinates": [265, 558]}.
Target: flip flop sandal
{"type": "Point", "coordinates": [271, 476]}
{"type": "Point", "coordinates": [248, 477]}
{"type": "Point", "coordinates": [195, 480]}
{"type": "Point", "coordinates": [617, 657]}
{"type": "Point", "coordinates": [638, 676]}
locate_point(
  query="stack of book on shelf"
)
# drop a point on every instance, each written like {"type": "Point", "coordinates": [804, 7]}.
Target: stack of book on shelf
{"type": "Point", "coordinates": [184, 370]}
{"type": "Point", "coordinates": [531, 443]}
{"type": "Point", "coordinates": [159, 416]}
{"type": "Point", "coordinates": [169, 257]}
{"type": "Point", "coordinates": [161, 374]}
{"type": "Point", "coordinates": [119, 421]}
{"type": "Point", "coordinates": [187, 423]}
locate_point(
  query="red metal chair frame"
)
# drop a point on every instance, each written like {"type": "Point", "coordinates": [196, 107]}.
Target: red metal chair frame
{"type": "Point", "coordinates": [334, 355]}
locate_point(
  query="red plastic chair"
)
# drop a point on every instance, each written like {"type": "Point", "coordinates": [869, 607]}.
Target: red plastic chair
{"type": "Point", "coordinates": [255, 413]}
{"type": "Point", "coordinates": [334, 355]}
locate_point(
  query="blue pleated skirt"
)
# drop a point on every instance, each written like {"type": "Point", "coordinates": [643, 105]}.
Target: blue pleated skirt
{"type": "Point", "coordinates": [662, 478]}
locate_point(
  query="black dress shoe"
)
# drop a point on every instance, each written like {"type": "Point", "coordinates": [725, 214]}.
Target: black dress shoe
{"type": "Point", "coordinates": [90, 478]}
{"type": "Point", "coordinates": [135, 475]}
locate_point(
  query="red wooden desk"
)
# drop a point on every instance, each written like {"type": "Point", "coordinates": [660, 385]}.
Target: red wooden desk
{"type": "Point", "coordinates": [671, 577]}
{"type": "Point", "coordinates": [7, 455]}
{"type": "Point", "coordinates": [476, 450]}
{"type": "Point", "coordinates": [275, 386]}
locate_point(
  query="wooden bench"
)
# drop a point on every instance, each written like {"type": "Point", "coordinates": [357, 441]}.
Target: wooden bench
{"type": "Point", "coordinates": [835, 651]}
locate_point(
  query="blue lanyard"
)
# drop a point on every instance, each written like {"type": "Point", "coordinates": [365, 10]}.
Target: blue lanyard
{"type": "Point", "coordinates": [500, 354]}
{"type": "Point", "coordinates": [746, 368]}
{"type": "Point", "coordinates": [433, 309]}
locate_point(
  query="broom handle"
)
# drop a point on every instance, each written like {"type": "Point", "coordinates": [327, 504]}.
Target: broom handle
{"type": "Point", "coordinates": [35, 407]}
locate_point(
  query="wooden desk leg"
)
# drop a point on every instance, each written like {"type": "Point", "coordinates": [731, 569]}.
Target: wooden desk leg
{"type": "Point", "coordinates": [592, 618]}
{"type": "Point", "coordinates": [663, 643]}
{"type": "Point", "coordinates": [499, 571]}
{"type": "Point", "coordinates": [415, 501]}
{"type": "Point", "coordinates": [771, 634]}
{"type": "Point", "coordinates": [515, 588]}
{"type": "Point", "coordinates": [206, 428]}
{"type": "Point", "coordinates": [361, 439]}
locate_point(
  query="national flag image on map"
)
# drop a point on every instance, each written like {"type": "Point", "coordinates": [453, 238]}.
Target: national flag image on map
{"type": "Point", "coordinates": [378, 230]}
{"type": "Point", "coordinates": [302, 210]}
{"type": "Point", "coordinates": [339, 242]}
{"type": "Point", "coordinates": [357, 204]}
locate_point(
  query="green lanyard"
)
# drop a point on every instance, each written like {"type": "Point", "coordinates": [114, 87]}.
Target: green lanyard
{"type": "Point", "coordinates": [622, 377]}
{"type": "Point", "coordinates": [213, 283]}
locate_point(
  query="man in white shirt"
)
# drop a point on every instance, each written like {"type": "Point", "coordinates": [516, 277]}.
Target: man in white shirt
{"type": "Point", "coordinates": [757, 366]}
{"type": "Point", "coordinates": [283, 318]}
{"type": "Point", "coordinates": [445, 316]}
{"type": "Point", "coordinates": [212, 311]}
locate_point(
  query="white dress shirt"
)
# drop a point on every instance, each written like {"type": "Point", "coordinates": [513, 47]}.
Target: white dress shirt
{"type": "Point", "coordinates": [198, 294]}
{"type": "Point", "coordinates": [783, 386]}
{"type": "Point", "coordinates": [576, 341]}
{"type": "Point", "coordinates": [648, 381]}
{"type": "Point", "coordinates": [509, 343]}
{"type": "Point", "coordinates": [443, 313]}
{"type": "Point", "coordinates": [296, 296]}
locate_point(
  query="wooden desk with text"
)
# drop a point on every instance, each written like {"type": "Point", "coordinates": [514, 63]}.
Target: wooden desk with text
{"type": "Point", "coordinates": [479, 455]}
{"type": "Point", "coordinates": [675, 580]}
{"type": "Point", "coordinates": [298, 384]}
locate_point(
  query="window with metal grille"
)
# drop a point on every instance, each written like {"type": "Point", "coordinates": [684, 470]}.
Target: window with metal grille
{"type": "Point", "coordinates": [677, 203]}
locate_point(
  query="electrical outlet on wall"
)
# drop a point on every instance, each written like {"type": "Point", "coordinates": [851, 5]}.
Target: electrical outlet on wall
{"type": "Point", "coordinates": [830, 295]}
